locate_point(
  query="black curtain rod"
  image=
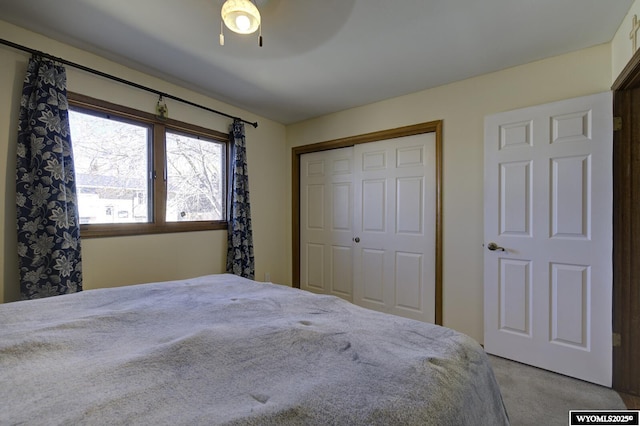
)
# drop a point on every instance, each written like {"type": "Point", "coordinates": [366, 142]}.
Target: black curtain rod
{"type": "Point", "coordinates": [120, 80]}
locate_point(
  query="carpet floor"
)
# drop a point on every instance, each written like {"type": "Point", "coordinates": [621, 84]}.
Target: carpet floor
{"type": "Point", "coordinates": [538, 397]}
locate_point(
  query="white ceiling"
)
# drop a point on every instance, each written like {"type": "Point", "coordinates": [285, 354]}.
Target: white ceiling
{"type": "Point", "coordinates": [322, 56]}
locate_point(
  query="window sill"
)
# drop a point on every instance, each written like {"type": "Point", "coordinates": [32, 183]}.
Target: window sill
{"type": "Point", "coordinates": [129, 229]}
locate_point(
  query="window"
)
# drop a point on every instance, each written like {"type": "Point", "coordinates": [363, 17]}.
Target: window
{"type": "Point", "coordinates": [195, 178]}
{"type": "Point", "coordinates": [111, 159]}
{"type": "Point", "coordinates": [137, 174]}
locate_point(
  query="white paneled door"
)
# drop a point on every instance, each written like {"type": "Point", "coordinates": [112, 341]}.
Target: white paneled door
{"type": "Point", "coordinates": [368, 222]}
{"type": "Point", "coordinates": [395, 222]}
{"type": "Point", "coordinates": [548, 236]}
{"type": "Point", "coordinates": [326, 222]}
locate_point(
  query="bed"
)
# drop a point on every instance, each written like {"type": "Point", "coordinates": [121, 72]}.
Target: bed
{"type": "Point", "coordinates": [225, 350]}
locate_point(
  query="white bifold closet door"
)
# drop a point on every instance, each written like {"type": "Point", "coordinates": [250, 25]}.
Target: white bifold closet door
{"type": "Point", "coordinates": [367, 225]}
{"type": "Point", "coordinates": [326, 222]}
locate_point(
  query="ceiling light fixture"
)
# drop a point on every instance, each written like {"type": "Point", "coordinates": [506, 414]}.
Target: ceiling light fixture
{"type": "Point", "coordinates": [240, 16]}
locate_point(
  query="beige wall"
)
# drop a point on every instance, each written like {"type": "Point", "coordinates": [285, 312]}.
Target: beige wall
{"type": "Point", "coordinates": [621, 46]}
{"type": "Point", "coordinates": [462, 106]}
{"type": "Point", "coordinates": [117, 261]}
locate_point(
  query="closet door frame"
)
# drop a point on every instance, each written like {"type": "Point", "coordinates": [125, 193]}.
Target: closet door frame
{"type": "Point", "coordinates": [416, 129]}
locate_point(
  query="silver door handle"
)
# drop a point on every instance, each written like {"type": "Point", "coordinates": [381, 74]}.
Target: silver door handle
{"type": "Point", "coordinates": [493, 247]}
{"type": "Point", "coordinates": [356, 239]}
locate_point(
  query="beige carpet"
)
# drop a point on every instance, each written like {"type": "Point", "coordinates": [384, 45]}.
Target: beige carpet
{"type": "Point", "coordinates": [538, 397]}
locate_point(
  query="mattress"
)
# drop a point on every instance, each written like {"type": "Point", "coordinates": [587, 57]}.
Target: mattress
{"type": "Point", "coordinates": [221, 349]}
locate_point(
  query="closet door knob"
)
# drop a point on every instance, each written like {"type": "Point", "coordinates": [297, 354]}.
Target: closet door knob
{"type": "Point", "coordinates": [356, 239]}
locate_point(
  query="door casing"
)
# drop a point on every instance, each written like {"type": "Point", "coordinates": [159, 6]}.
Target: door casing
{"type": "Point", "coordinates": [626, 229]}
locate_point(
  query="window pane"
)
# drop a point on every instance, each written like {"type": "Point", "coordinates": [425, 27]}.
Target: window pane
{"type": "Point", "coordinates": [195, 178]}
{"type": "Point", "coordinates": [111, 158]}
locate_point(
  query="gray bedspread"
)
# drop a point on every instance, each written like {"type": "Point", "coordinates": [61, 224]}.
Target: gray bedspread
{"type": "Point", "coordinates": [220, 349]}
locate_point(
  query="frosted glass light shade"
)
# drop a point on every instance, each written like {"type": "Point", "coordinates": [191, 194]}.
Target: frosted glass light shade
{"type": "Point", "coordinates": [240, 16]}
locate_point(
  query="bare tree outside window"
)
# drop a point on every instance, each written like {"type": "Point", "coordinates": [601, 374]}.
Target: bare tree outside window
{"type": "Point", "coordinates": [195, 178]}
{"type": "Point", "coordinates": [111, 161]}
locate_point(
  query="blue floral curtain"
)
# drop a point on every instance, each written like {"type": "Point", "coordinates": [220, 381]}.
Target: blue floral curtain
{"type": "Point", "coordinates": [47, 213]}
{"type": "Point", "coordinates": [240, 238]}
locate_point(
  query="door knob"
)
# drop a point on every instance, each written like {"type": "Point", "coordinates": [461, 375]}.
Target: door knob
{"type": "Point", "coordinates": [493, 247]}
{"type": "Point", "coordinates": [356, 239]}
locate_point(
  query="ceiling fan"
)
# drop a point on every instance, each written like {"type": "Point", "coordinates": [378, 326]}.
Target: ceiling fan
{"type": "Point", "coordinates": [242, 17]}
